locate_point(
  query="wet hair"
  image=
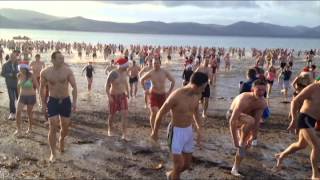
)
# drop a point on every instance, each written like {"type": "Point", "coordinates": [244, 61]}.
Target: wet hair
{"type": "Point", "coordinates": [7, 57]}
{"type": "Point", "coordinates": [259, 82]}
{"type": "Point", "coordinates": [251, 73]}
{"type": "Point", "coordinates": [199, 78]}
{"type": "Point", "coordinates": [54, 54]}
{"type": "Point", "coordinates": [37, 55]}
{"type": "Point", "coordinates": [313, 66]}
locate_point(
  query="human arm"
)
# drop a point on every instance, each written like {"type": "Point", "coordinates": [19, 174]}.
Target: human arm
{"type": "Point", "coordinates": [43, 83]}
{"type": "Point", "coordinates": [144, 78]}
{"type": "Point", "coordinates": [198, 123]}
{"type": "Point", "coordinates": [5, 71]}
{"type": "Point", "coordinates": [165, 108]}
{"type": "Point", "coordinates": [171, 79]}
{"type": "Point", "coordinates": [73, 84]}
{"type": "Point", "coordinates": [111, 77]}
{"type": "Point", "coordinates": [83, 69]}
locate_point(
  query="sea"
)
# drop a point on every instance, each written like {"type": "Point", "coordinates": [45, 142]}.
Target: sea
{"type": "Point", "coordinates": [163, 40]}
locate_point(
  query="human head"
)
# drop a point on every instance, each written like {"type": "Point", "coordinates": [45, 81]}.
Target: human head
{"type": "Point", "coordinates": [259, 88]}
{"type": "Point", "coordinates": [23, 67]}
{"type": "Point", "coordinates": [313, 67]}
{"type": "Point", "coordinates": [251, 73]}
{"type": "Point", "coordinates": [123, 63]}
{"type": "Point", "coordinates": [133, 62]}
{"type": "Point", "coordinates": [57, 59]}
{"type": "Point", "coordinates": [199, 81]}
{"type": "Point", "coordinates": [156, 63]}
{"type": "Point", "coordinates": [37, 57]}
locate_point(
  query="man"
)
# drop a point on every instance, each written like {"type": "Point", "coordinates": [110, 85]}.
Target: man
{"type": "Point", "coordinates": [204, 68]}
{"type": "Point", "coordinates": [57, 79]}
{"type": "Point", "coordinates": [305, 121]}
{"type": "Point", "coordinates": [36, 67]}
{"type": "Point", "coordinates": [133, 78]}
{"type": "Point", "coordinates": [148, 84]}
{"type": "Point", "coordinates": [184, 105]}
{"type": "Point", "coordinates": [158, 93]}
{"type": "Point", "coordinates": [9, 72]}
{"type": "Point", "coordinates": [118, 93]}
{"type": "Point", "coordinates": [244, 117]}
{"type": "Point", "coordinates": [1, 54]}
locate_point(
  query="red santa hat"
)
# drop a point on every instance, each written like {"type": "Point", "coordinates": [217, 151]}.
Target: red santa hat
{"type": "Point", "coordinates": [122, 62]}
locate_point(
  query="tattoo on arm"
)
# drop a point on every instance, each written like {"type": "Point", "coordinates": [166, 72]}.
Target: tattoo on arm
{"type": "Point", "coordinates": [112, 76]}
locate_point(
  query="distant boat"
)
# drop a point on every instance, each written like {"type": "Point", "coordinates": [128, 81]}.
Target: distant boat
{"type": "Point", "coordinates": [21, 38]}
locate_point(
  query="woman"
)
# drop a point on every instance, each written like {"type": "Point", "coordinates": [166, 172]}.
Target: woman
{"type": "Point", "coordinates": [89, 74]}
{"type": "Point", "coordinates": [27, 86]}
{"type": "Point", "coordinates": [271, 76]}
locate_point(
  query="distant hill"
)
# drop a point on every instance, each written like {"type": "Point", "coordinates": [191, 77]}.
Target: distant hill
{"type": "Point", "coordinates": [13, 18]}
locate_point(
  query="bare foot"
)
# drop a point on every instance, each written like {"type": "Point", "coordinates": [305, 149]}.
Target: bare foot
{"type": "Point", "coordinates": [110, 133]}
{"type": "Point", "coordinates": [315, 178]}
{"type": "Point", "coordinates": [125, 138]}
{"type": "Point", "coordinates": [29, 131]}
{"type": "Point", "coordinates": [235, 172]}
{"type": "Point", "coordinates": [52, 158]}
{"type": "Point", "coordinates": [17, 133]}
{"type": "Point", "coordinates": [168, 174]}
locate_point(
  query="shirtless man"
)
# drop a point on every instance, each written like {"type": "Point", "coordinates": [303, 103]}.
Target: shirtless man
{"type": "Point", "coordinates": [244, 116]}
{"type": "Point", "coordinates": [158, 93]}
{"type": "Point", "coordinates": [227, 62]}
{"type": "Point", "coordinates": [118, 93]}
{"type": "Point", "coordinates": [148, 84]}
{"type": "Point", "coordinates": [305, 121]}
{"type": "Point", "coordinates": [110, 67]}
{"type": "Point", "coordinates": [133, 78]}
{"type": "Point", "coordinates": [184, 105]}
{"type": "Point", "coordinates": [204, 68]}
{"type": "Point", "coordinates": [36, 67]}
{"type": "Point", "coordinates": [58, 77]}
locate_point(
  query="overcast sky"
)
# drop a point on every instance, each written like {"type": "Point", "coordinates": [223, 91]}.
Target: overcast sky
{"type": "Point", "coordinates": [288, 13]}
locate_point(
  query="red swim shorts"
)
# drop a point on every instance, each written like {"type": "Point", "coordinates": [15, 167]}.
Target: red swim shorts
{"type": "Point", "coordinates": [119, 103]}
{"type": "Point", "coordinates": [157, 100]}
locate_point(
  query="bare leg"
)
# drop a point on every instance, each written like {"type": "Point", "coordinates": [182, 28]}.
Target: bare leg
{"type": "Point", "coordinates": [301, 144]}
{"type": "Point", "coordinates": [30, 116]}
{"type": "Point", "coordinates": [178, 165]}
{"type": "Point", "coordinates": [64, 123]}
{"type": "Point", "coordinates": [205, 107]}
{"type": "Point", "coordinates": [18, 119]}
{"type": "Point", "coordinates": [110, 124]}
{"type": "Point", "coordinates": [153, 113]}
{"type": "Point", "coordinates": [53, 126]}
{"type": "Point", "coordinates": [124, 120]}
{"type": "Point", "coordinates": [146, 96]}
{"type": "Point", "coordinates": [312, 139]}
{"type": "Point", "coordinates": [131, 89]}
{"type": "Point", "coordinates": [135, 89]}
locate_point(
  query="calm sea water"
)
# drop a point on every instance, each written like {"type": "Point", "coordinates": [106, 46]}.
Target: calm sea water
{"type": "Point", "coordinates": [154, 39]}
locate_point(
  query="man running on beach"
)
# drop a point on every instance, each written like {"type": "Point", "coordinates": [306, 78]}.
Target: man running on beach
{"type": "Point", "coordinates": [204, 68]}
{"type": "Point", "coordinates": [133, 78]}
{"type": "Point", "coordinates": [58, 77]}
{"type": "Point", "coordinates": [118, 93]}
{"type": "Point", "coordinates": [304, 120]}
{"type": "Point", "coordinates": [36, 67]}
{"type": "Point", "coordinates": [158, 94]}
{"type": "Point", "coordinates": [244, 116]}
{"type": "Point", "coordinates": [184, 105]}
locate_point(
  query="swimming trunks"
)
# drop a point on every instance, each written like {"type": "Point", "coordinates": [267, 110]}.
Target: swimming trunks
{"type": "Point", "coordinates": [27, 100]}
{"type": "Point", "coordinates": [206, 92]}
{"type": "Point", "coordinates": [133, 80]}
{"type": "Point", "coordinates": [119, 103]}
{"type": "Point", "coordinates": [305, 121]}
{"type": "Point", "coordinates": [57, 106]}
{"type": "Point", "coordinates": [157, 100]}
{"type": "Point", "coordinates": [180, 140]}
{"type": "Point", "coordinates": [148, 85]}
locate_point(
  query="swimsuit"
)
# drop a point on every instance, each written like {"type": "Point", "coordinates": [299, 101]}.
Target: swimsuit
{"type": "Point", "coordinates": [59, 106]}
{"type": "Point", "coordinates": [157, 100]}
{"type": "Point", "coordinates": [305, 121]}
{"type": "Point", "coordinates": [133, 80]}
{"type": "Point", "coordinates": [180, 140]}
{"type": "Point", "coordinates": [119, 103]}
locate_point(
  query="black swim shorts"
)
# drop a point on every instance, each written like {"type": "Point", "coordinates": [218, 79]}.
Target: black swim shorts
{"type": "Point", "coordinates": [60, 107]}
{"type": "Point", "coordinates": [305, 121]}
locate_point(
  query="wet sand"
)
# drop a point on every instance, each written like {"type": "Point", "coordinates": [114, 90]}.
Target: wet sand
{"type": "Point", "coordinates": [91, 154]}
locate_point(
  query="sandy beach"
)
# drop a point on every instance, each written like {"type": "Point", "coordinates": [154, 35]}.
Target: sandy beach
{"type": "Point", "coordinates": [91, 154]}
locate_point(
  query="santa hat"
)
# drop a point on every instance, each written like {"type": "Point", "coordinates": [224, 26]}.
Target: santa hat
{"type": "Point", "coordinates": [122, 62]}
{"type": "Point", "coordinates": [24, 64]}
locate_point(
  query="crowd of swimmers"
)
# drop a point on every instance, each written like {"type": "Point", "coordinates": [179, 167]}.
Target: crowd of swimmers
{"type": "Point", "coordinates": [25, 79]}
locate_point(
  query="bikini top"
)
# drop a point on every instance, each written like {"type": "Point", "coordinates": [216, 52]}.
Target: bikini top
{"type": "Point", "coordinates": [26, 84]}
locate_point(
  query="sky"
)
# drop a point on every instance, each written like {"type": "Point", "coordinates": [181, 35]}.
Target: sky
{"type": "Point", "coordinates": [286, 13]}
